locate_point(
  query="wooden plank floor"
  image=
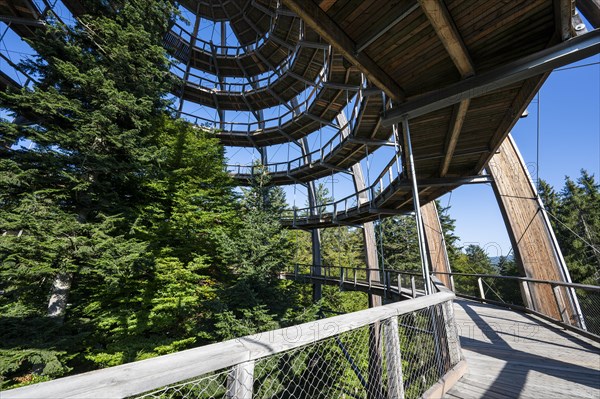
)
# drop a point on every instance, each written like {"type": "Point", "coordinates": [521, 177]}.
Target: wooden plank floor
{"type": "Point", "coordinates": [515, 355]}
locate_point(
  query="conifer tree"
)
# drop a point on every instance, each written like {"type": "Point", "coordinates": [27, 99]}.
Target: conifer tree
{"type": "Point", "coordinates": [575, 216]}
{"type": "Point", "coordinates": [112, 193]}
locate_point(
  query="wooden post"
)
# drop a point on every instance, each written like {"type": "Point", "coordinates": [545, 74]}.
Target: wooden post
{"type": "Point", "coordinates": [399, 284]}
{"type": "Point", "coordinates": [388, 284]}
{"type": "Point", "coordinates": [451, 333]}
{"type": "Point", "coordinates": [240, 381]}
{"type": "Point", "coordinates": [375, 362]}
{"type": "Point", "coordinates": [315, 233]}
{"type": "Point", "coordinates": [560, 304]}
{"type": "Point", "coordinates": [372, 262]}
{"type": "Point", "coordinates": [526, 294]}
{"type": "Point", "coordinates": [393, 358]}
{"type": "Point", "coordinates": [481, 291]}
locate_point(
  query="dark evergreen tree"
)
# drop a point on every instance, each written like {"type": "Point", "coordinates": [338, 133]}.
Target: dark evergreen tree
{"type": "Point", "coordinates": [114, 196]}
{"type": "Point", "coordinates": [397, 238]}
{"type": "Point", "coordinates": [254, 253]}
{"type": "Point", "coordinates": [575, 217]}
{"type": "Point", "coordinates": [448, 228]}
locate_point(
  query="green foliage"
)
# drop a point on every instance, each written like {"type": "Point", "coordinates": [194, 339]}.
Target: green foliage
{"type": "Point", "coordinates": [448, 226]}
{"type": "Point", "coordinates": [474, 260]}
{"type": "Point", "coordinates": [397, 237]}
{"type": "Point", "coordinates": [250, 321]}
{"type": "Point", "coordinates": [113, 191]}
{"type": "Point", "coordinates": [575, 216]}
{"type": "Point", "coordinates": [342, 246]}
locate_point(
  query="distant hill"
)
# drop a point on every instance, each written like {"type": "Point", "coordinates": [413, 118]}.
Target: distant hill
{"type": "Point", "coordinates": [496, 259]}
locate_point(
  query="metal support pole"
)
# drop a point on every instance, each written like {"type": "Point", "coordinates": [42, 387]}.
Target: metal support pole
{"type": "Point", "coordinates": [314, 233]}
{"type": "Point", "coordinates": [417, 206]}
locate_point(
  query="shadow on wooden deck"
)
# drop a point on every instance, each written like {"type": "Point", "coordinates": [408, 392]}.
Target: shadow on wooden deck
{"type": "Point", "coordinates": [514, 355]}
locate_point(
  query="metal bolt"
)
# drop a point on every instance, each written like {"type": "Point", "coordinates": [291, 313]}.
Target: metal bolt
{"type": "Point", "coordinates": [579, 27]}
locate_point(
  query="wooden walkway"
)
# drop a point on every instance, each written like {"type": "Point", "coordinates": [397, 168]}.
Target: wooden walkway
{"type": "Point", "coordinates": [514, 355]}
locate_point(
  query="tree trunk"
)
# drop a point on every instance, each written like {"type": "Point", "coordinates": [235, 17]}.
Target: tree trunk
{"type": "Point", "coordinates": [57, 304]}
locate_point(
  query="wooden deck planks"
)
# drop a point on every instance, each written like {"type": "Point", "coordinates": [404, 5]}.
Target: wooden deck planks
{"type": "Point", "coordinates": [513, 355]}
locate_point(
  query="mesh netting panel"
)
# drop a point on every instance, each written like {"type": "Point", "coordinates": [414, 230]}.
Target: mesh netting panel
{"type": "Point", "coordinates": [212, 385]}
{"type": "Point", "coordinates": [408, 353]}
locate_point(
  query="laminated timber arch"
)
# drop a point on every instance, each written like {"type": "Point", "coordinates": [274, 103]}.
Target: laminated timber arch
{"type": "Point", "coordinates": [535, 247]}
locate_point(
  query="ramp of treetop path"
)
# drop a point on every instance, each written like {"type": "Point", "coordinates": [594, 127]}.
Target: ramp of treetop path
{"type": "Point", "coordinates": [462, 81]}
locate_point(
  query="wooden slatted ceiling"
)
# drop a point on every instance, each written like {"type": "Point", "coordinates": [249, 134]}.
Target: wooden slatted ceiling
{"type": "Point", "coordinates": [505, 32]}
{"type": "Point", "coordinates": [493, 32]}
{"type": "Point", "coordinates": [412, 53]}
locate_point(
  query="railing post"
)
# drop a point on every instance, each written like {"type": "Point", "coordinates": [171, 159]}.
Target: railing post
{"type": "Point", "coordinates": [393, 358]}
{"type": "Point", "coordinates": [413, 288]}
{"type": "Point", "coordinates": [296, 270]}
{"type": "Point", "coordinates": [355, 275]}
{"type": "Point", "coordinates": [369, 277]}
{"type": "Point", "coordinates": [451, 333]}
{"type": "Point", "coordinates": [399, 284]}
{"type": "Point", "coordinates": [341, 277]}
{"type": "Point", "coordinates": [240, 381]}
{"type": "Point", "coordinates": [388, 284]}
{"type": "Point", "coordinates": [526, 295]}
{"type": "Point", "coordinates": [452, 287]}
{"type": "Point", "coordinates": [560, 305]}
{"type": "Point", "coordinates": [481, 291]}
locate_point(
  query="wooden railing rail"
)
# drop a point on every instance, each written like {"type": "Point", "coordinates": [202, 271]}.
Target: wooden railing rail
{"type": "Point", "coordinates": [237, 357]}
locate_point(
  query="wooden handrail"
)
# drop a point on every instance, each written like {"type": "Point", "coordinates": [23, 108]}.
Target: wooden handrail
{"type": "Point", "coordinates": [146, 375]}
{"type": "Point", "coordinates": [586, 287]}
